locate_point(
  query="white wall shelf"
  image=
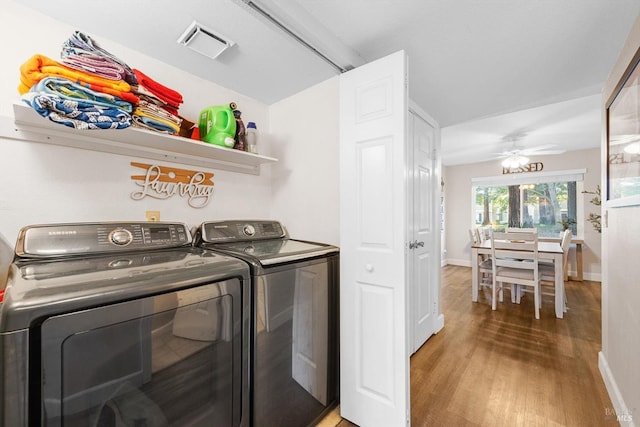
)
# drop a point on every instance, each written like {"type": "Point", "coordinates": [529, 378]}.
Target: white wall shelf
{"type": "Point", "coordinates": [30, 126]}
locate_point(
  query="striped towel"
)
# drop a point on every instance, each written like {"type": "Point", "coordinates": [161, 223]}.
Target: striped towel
{"type": "Point", "coordinates": [80, 44]}
{"type": "Point", "coordinates": [98, 65]}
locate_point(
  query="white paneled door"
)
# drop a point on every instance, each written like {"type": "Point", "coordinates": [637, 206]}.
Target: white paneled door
{"type": "Point", "coordinates": [374, 362]}
{"type": "Point", "coordinates": [423, 257]}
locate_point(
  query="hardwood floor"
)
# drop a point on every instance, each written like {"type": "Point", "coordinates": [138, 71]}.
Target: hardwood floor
{"type": "Point", "coordinates": [504, 367]}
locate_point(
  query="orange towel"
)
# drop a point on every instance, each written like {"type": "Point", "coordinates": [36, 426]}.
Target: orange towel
{"type": "Point", "coordinates": [39, 67]}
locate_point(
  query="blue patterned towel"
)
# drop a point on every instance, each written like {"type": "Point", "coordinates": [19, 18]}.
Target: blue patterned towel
{"type": "Point", "coordinates": [77, 113]}
{"type": "Point", "coordinates": [66, 89]}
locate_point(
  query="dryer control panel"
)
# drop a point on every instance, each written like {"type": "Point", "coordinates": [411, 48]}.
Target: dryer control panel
{"type": "Point", "coordinates": [240, 230]}
{"type": "Point", "coordinates": [57, 240]}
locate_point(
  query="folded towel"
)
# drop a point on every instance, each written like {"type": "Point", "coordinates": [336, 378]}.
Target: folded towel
{"type": "Point", "coordinates": [152, 117]}
{"type": "Point", "coordinates": [149, 97]}
{"type": "Point", "coordinates": [77, 114]}
{"type": "Point", "coordinates": [98, 65]}
{"type": "Point", "coordinates": [82, 44]}
{"type": "Point", "coordinates": [168, 95]}
{"type": "Point", "coordinates": [66, 89]}
{"type": "Point", "coordinates": [39, 67]}
{"type": "Point", "coordinates": [151, 124]}
{"type": "Point", "coordinates": [153, 110]}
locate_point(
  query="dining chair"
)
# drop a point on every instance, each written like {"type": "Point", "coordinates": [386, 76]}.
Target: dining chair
{"type": "Point", "coordinates": [473, 236]}
{"type": "Point", "coordinates": [483, 232]}
{"type": "Point", "coordinates": [547, 269]}
{"type": "Point", "coordinates": [515, 261]}
{"type": "Point", "coordinates": [565, 241]}
{"type": "Point", "coordinates": [484, 261]}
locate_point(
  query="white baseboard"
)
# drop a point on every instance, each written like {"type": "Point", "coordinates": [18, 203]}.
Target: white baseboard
{"type": "Point", "coordinates": [594, 277]}
{"type": "Point", "coordinates": [460, 262]}
{"type": "Point", "coordinates": [620, 411]}
{"type": "Point", "coordinates": [439, 323]}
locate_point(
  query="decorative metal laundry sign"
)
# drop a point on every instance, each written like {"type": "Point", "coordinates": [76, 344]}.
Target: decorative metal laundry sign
{"type": "Point", "coordinates": [162, 182]}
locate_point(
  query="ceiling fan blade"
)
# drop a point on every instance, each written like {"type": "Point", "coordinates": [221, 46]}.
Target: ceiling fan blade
{"type": "Point", "coordinates": [543, 149]}
{"type": "Point", "coordinates": [543, 152]}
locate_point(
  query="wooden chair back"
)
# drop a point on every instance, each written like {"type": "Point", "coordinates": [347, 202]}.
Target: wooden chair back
{"type": "Point", "coordinates": [515, 261]}
{"type": "Point", "coordinates": [565, 243]}
{"type": "Point", "coordinates": [515, 250]}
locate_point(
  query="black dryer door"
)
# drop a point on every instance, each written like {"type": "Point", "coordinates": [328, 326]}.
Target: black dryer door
{"type": "Point", "coordinates": [168, 360]}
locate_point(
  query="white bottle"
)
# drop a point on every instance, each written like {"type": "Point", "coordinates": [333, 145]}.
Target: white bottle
{"type": "Point", "coordinates": [252, 138]}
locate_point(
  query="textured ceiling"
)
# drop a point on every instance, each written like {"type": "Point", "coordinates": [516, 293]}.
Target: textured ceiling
{"type": "Point", "coordinates": [468, 59]}
{"type": "Point", "coordinates": [568, 125]}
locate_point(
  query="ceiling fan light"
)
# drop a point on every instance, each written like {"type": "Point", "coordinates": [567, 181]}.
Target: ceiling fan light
{"type": "Point", "coordinates": [515, 161]}
{"type": "Point", "coordinates": [633, 148]}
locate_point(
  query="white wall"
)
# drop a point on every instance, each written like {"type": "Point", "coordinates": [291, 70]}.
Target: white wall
{"type": "Point", "coordinates": [619, 360]}
{"type": "Point", "coordinates": [306, 180]}
{"type": "Point", "coordinates": [458, 198]}
{"type": "Point", "coordinates": [43, 184]}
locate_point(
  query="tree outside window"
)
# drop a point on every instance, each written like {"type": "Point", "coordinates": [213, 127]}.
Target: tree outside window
{"type": "Point", "coordinates": [549, 207]}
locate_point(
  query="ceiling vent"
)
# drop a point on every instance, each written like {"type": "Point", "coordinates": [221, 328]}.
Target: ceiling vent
{"type": "Point", "coordinates": [204, 41]}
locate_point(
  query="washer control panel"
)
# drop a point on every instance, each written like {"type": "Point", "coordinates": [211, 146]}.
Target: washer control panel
{"type": "Point", "coordinates": [249, 230]}
{"type": "Point", "coordinates": [240, 230]}
{"type": "Point", "coordinates": [53, 240]}
{"type": "Point", "coordinates": [120, 237]}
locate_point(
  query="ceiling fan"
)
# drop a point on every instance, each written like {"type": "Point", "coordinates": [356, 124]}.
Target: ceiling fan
{"type": "Point", "coordinates": [518, 156]}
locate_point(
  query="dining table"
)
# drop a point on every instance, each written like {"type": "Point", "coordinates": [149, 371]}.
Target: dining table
{"type": "Point", "coordinates": [549, 251]}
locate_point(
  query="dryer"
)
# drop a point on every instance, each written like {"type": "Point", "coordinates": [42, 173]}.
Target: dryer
{"type": "Point", "coordinates": [294, 283]}
{"type": "Point", "coordinates": [109, 324]}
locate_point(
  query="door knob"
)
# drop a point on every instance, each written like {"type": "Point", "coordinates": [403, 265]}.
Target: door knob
{"type": "Point", "coordinates": [416, 244]}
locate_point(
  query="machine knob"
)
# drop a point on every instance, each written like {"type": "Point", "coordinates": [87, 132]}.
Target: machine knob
{"type": "Point", "coordinates": [249, 230]}
{"type": "Point", "coordinates": [120, 237]}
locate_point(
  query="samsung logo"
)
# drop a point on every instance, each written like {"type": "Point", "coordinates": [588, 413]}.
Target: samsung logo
{"type": "Point", "coordinates": [62, 233]}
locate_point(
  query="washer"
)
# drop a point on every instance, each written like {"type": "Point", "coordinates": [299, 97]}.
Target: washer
{"type": "Point", "coordinates": [294, 356]}
{"type": "Point", "coordinates": [106, 324]}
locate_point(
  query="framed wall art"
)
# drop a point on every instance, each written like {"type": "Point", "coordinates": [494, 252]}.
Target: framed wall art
{"type": "Point", "coordinates": [623, 140]}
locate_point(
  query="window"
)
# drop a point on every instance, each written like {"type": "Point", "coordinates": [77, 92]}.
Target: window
{"type": "Point", "coordinates": [548, 206]}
